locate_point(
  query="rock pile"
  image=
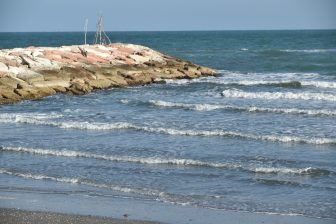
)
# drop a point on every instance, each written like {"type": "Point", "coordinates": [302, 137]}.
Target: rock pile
{"type": "Point", "coordinates": [35, 72]}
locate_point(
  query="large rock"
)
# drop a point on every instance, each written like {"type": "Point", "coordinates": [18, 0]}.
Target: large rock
{"type": "Point", "coordinates": [35, 72]}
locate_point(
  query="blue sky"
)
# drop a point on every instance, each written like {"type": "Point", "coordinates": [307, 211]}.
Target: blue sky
{"type": "Point", "coordinates": [139, 15]}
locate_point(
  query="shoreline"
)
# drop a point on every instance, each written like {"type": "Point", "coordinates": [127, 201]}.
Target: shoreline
{"type": "Point", "coordinates": [15, 216]}
{"type": "Point", "coordinates": [35, 72]}
{"type": "Point", "coordinates": [70, 205]}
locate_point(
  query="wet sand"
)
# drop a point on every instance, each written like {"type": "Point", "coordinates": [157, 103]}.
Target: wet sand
{"type": "Point", "coordinates": [15, 216]}
{"type": "Point", "coordinates": [17, 207]}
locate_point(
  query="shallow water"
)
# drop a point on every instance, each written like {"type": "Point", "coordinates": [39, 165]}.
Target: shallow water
{"type": "Point", "coordinates": [260, 137]}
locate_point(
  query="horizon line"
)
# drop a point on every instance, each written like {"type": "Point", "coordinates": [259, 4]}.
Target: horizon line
{"type": "Point", "coordinates": [210, 30]}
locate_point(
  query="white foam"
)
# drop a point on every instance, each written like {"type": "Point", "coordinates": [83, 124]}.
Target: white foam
{"type": "Point", "coordinates": [283, 170]}
{"type": "Point", "coordinates": [310, 50]}
{"type": "Point", "coordinates": [250, 79]}
{"type": "Point", "coordinates": [148, 160]}
{"type": "Point", "coordinates": [312, 112]}
{"type": "Point", "coordinates": [37, 116]}
{"type": "Point", "coordinates": [171, 131]}
{"type": "Point", "coordinates": [124, 101]}
{"type": "Point", "coordinates": [319, 84]}
{"type": "Point", "coordinates": [227, 75]}
{"type": "Point", "coordinates": [142, 191]}
{"type": "Point", "coordinates": [73, 110]}
{"type": "Point", "coordinates": [199, 107]}
{"type": "Point", "coordinates": [246, 80]}
{"type": "Point", "coordinates": [313, 83]}
{"type": "Point", "coordinates": [234, 93]}
{"type": "Point", "coordinates": [210, 107]}
{"type": "Point", "coordinates": [275, 138]}
{"type": "Point", "coordinates": [93, 125]}
{"type": "Point", "coordinates": [40, 177]}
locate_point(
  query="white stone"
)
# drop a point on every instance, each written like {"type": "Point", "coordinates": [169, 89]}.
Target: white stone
{"type": "Point", "coordinates": [53, 83]}
{"type": "Point", "coordinates": [97, 53]}
{"type": "Point", "coordinates": [139, 59]}
{"type": "Point", "coordinates": [3, 67]}
{"type": "Point", "coordinates": [36, 53]}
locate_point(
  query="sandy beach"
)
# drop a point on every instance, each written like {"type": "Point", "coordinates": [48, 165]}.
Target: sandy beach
{"type": "Point", "coordinates": [44, 207]}
{"type": "Point", "coordinates": [14, 216]}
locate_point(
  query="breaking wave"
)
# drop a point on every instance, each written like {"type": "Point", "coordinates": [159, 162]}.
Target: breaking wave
{"type": "Point", "coordinates": [310, 50]}
{"type": "Point", "coordinates": [161, 161]}
{"type": "Point", "coordinates": [169, 131]}
{"type": "Point", "coordinates": [150, 160]}
{"type": "Point", "coordinates": [234, 93]}
{"type": "Point", "coordinates": [276, 83]}
{"type": "Point", "coordinates": [40, 177]}
{"type": "Point", "coordinates": [142, 191]}
{"type": "Point", "coordinates": [287, 80]}
{"type": "Point", "coordinates": [297, 171]}
{"type": "Point", "coordinates": [39, 116]}
{"type": "Point", "coordinates": [210, 107]}
{"type": "Point", "coordinates": [151, 193]}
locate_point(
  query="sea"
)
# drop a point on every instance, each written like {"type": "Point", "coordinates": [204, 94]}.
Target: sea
{"type": "Point", "coordinates": [259, 138]}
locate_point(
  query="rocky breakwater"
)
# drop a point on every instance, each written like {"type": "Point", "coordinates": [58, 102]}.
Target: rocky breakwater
{"type": "Point", "coordinates": [34, 72]}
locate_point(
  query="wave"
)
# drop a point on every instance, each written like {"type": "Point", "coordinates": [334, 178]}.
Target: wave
{"type": "Point", "coordinates": [210, 107]}
{"type": "Point", "coordinates": [40, 177]}
{"type": "Point", "coordinates": [236, 75]}
{"type": "Point", "coordinates": [39, 116]}
{"type": "Point", "coordinates": [297, 171]}
{"type": "Point", "coordinates": [234, 93]}
{"type": "Point", "coordinates": [163, 161]}
{"type": "Point", "coordinates": [319, 84]}
{"type": "Point", "coordinates": [278, 83]}
{"type": "Point", "coordinates": [286, 80]}
{"type": "Point", "coordinates": [275, 182]}
{"type": "Point", "coordinates": [152, 193]}
{"type": "Point", "coordinates": [310, 50]}
{"type": "Point", "coordinates": [150, 160]}
{"type": "Point", "coordinates": [142, 191]}
{"type": "Point", "coordinates": [171, 131]}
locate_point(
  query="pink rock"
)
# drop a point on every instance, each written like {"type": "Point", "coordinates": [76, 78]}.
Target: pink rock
{"type": "Point", "coordinates": [3, 74]}
{"type": "Point", "coordinates": [126, 50]}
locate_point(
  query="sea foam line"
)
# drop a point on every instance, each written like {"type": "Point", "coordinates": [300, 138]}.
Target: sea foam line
{"type": "Point", "coordinates": [153, 193]}
{"type": "Point", "coordinates": [251, 79]}
{"type": "Point", "coordinates": [296, 171]}
{"type": "Point", "coordinates": [282, 83]}
{"type": "Point", "coordinates": [234, 93]}
{"type": "Point", "coordinates": [40, 116]}
{"type": "Point", "coordinates": [148, 160]}
{"type": "Point", "coordinates": [310, 50]}
{"type": "Point", "coordinates": [170, 131]}
{"type": "Point", "coordinates": [163, 161]}
{"type": "Point", "coordinates": [210, 107]}
{"type": "Point", "coordinates": [142, 191]}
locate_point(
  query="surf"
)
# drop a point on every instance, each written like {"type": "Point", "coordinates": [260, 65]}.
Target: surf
{"type": "Point", "coordinates": [235, 93]}
{"type": "Point", "coordinates": [255, 109]}
{"type": "Point", "coordinates": [99, 126]}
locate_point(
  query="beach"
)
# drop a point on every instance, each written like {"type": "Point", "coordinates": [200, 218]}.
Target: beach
{"type": "Point", "coordinates": [49, 208]}
{"type": "Point", "coordinates": [232, 127]}
{"type": "Point", "coordinates": [11, 216]}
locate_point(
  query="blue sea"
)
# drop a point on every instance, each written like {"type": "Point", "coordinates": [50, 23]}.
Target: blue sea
{"type": "Point", "coordinates": [260, 137]}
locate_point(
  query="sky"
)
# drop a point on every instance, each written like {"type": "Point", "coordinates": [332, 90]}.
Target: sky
{"type": "Point", "coordinates": [162, 15]}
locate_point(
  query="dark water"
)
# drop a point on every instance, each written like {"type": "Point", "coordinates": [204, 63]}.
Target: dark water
{"type": "Point", "coordinates": [260, 137]}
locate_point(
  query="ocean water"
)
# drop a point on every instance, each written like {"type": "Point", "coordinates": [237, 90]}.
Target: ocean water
{"type": "Point", "coordinates": [260, 137]}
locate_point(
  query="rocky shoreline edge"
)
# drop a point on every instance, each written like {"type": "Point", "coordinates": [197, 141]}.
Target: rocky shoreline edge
{"type": "Point", "coordinates": [35, 72]}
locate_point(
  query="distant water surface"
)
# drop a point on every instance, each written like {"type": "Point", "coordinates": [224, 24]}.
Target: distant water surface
{"type": "Point", "coordinates": [260, 137]}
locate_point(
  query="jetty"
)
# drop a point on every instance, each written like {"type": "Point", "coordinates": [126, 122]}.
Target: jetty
{"type": "Point", "coordinates": [35, 72]}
